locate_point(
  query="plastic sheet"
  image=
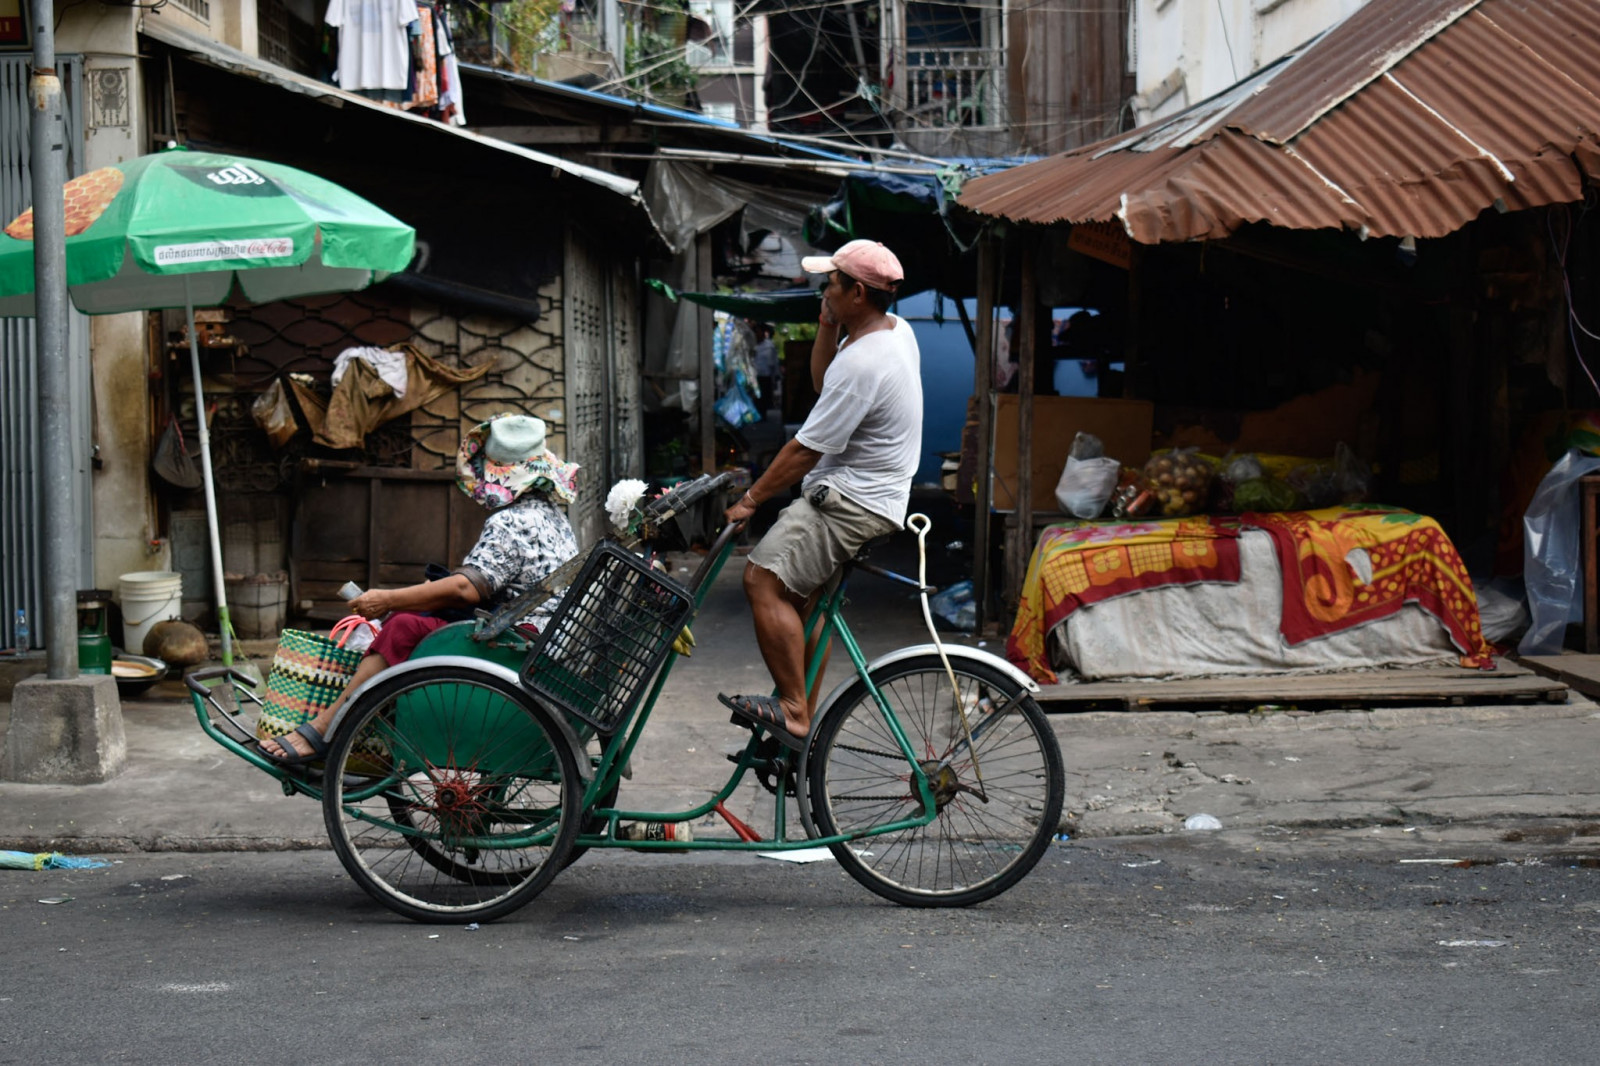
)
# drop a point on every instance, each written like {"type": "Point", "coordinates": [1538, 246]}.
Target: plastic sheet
{"type": "Point", "coordinates": [1552, 559]}
{"type": "Point", "coordinates": [46, 860]}
{"type": "Point", "coordinates": [1502, 608]}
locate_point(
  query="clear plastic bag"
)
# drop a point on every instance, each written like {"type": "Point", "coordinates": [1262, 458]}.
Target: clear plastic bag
{"type": "Point", "coordinates": [736, 408]}
{"type": "Point", "coordinates": [1182, 481]}
{"type": "Point", "coordinates": [273, 414]}
{"type": "Point", "coordinates": [956, 607]}
{"type": "Point", "coordinates": [1552, 557]}
{"type": "Point", "coordinates": [1239, 468]}
{"type": "Point", "coordinates": [1263, 494]}
{"type": "Point", "coordinates": [1086, 485]}
{"type": "Point", "coordinates": [355, 633]}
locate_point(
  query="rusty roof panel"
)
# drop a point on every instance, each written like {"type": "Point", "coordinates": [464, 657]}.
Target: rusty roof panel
{"type": "Point", "coordinates": [1349, 56]}
{"type": "Point", "coordinates": [1501, 102]}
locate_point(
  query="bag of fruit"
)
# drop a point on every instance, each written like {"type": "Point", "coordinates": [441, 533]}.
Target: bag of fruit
{"type": "Point", "coordinates": [1182, 481]}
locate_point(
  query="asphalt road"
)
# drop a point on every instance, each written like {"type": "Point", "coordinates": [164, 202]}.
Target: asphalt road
{"type": "Point", "coordinates": [1188, 948]}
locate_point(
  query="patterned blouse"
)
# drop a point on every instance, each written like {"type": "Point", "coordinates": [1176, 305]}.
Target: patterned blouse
{"type": "Point", "coordinates": [520, 544]}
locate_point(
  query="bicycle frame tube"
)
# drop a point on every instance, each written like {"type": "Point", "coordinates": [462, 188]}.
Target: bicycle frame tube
{"type": "Point", "coordinates": [828, 621]}
{"type": "Point", "coordinates": [202, 696]}
{"type": "Point", "coordinates": [831, 608]}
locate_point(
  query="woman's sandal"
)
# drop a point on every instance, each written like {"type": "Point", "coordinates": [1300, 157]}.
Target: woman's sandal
{"type": "Point", "coordinates": [766, 712]}
{"type": "Point", "coordinates": [319, 748]}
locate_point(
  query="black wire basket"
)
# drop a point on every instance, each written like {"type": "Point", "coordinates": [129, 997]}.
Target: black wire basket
{"type": "Point", "coordinates": [608, 637]}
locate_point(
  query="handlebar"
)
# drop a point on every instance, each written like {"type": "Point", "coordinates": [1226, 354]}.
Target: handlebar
{"type": "Point", "coordinates": [682, 496]}
{"type": "Point", "coordinates": [194, 681]}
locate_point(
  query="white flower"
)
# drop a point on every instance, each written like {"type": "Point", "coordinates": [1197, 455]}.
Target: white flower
{"type": "Point", "coordinates": [622, 501]}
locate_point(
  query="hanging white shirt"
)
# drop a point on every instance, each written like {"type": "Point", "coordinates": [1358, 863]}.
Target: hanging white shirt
{"type": "Point", "coordinates": [374, 49]}
{"type": "Point", "coordinates": [392, 367]}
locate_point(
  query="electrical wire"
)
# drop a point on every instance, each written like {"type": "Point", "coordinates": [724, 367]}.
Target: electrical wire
{"type": "Point", "coordinates": [827, 43]}
{"type": "Point", "coordinates": [1222, 18]}
{"type": "Point", "coordinates": [1560, 246]}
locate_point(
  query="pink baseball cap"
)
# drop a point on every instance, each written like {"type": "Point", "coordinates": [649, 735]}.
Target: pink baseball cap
{"type": "Point", "coordinates": [869, 262]}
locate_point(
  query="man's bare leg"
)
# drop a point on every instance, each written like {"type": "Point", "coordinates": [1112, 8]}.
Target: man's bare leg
{"type": "Point", "coordinates": [780, 634]}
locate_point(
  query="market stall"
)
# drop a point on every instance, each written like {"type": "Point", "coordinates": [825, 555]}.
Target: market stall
{"type": "Point", "coordinates": [1336, 588]}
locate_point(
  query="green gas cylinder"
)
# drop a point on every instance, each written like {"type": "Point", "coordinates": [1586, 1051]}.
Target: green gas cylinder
{"type": "Point", "coordinates": [94, 644]}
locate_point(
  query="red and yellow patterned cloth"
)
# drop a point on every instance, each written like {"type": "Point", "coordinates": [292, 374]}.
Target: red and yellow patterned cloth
{"type": "Point", "coordinates": [1077, 563]}
{"type": "Point", "coordinates": [1413, 561]}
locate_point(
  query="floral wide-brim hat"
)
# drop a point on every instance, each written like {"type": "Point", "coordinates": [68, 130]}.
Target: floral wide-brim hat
{"type": "Point", "coordinates": [496, 483]}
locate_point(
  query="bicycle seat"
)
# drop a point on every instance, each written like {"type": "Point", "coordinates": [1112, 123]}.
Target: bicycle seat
{"type": "Point", "coordinates": [869, 547]}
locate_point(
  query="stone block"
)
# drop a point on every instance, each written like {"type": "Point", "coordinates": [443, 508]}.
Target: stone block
{"type": "Point", "coordinates": [65, 732]}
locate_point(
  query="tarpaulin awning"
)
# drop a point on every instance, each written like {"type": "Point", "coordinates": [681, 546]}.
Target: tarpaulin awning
{"type": "Point", "coordinates": [910, 214]}
{"type": "Point", "coordinates": [1409, 117]}
{"type": "Point", "coordinates": [786, 305]}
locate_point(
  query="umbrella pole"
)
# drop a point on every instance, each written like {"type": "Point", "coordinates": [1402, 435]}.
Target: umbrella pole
{"type": "Point", "coordinates": [223, 623]}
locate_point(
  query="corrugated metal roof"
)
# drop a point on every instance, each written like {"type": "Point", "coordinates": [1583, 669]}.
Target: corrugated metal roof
{"type": "Point", "coordinates": [222, 56]}
{"type": "Point", "coordinates": [1409, 117]}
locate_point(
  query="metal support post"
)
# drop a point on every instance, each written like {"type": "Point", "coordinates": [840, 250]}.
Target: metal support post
{"type": "Point", "coordinates": [48, 163]}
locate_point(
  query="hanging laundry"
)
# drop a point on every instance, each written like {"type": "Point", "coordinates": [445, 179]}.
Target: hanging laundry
{"type": "Point", "coordinates": [425, 72]}
{"type": "Point", "coordinates": [391, 367]}
{"type": "Point", "coordinates": [362, 401]}
{"type": "Point", "coordinates": [374, 44]}
{"type": "Point", "coordinates": [450, 106]}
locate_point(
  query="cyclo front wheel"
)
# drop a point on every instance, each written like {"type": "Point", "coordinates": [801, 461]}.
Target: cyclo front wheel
{"type": "Point", "coordinates": [451, 795]}
{"type": "Point", "coordinates": [998, 796]}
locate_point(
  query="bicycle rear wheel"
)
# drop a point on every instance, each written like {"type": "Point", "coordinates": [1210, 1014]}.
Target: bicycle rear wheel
{"type": "Point", "coordinates": [451, 796]}
{"type": "Point", "coordinates": [990, 829]}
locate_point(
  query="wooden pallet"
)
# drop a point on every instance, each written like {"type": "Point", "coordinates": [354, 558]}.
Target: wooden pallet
{"type": "Point", "coordinates": [1511, 683]}
{"type": "Point", "coordinates": [1579, 671]}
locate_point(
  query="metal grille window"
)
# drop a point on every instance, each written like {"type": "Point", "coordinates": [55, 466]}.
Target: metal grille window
{"type": "Point", "coordinates": [198, 8]}
{"type": "Point", "coordinates": [286, 39]}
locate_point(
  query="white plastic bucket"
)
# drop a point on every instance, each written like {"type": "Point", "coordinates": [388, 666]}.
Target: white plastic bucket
{"type": "Point", "coordinates": [148, 597]}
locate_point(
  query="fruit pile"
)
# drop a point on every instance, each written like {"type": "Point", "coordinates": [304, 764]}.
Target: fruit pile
{"type": "Point", "coordinates": [1181, 480]}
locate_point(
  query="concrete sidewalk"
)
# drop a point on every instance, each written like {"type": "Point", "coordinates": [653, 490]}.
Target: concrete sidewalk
{"type": "Point", "coordinates": [1432, 771]}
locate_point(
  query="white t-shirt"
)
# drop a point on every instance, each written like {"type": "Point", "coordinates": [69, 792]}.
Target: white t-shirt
{"type": "Point", "coordinates": [868, 421]}
{"type": "Point", "coordinates": [374, 49]}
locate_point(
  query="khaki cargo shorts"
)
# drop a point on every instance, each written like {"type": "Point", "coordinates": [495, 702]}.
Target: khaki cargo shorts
{"type": "Point", "coordinates": [814, 536]}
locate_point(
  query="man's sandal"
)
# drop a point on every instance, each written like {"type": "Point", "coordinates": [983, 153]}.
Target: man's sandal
{"type": "Point", "coordinates": [766, 712]}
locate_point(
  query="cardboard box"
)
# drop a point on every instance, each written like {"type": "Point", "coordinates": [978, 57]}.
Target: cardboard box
{"type": "Point", "coordinates": [1125, 426]}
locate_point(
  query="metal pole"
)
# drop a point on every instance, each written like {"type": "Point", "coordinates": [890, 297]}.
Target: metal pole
{"type": "Point", "coordinates": [224, 626]}
{"type": "Point", "coordinates": [991, 264]}
{"type": "Point", "coordinates": [48, 163]}
{"type": "Point", "coordinates": [705, 323]}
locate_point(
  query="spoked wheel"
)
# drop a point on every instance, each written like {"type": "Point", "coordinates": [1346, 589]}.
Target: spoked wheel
{"type": "Point", "coordinates": [451, 795]}
{"type": "Point", "coordinates": [998, 797]}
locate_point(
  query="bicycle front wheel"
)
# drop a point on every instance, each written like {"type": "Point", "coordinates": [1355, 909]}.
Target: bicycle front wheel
{"type": "Point", "coordinates": [998, 793]}
{"type": "Point", "coordinates": [451, 796]}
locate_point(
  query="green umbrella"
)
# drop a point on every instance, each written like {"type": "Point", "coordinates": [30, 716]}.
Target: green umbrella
{"type": "Point", "coordinates": [182, 228]}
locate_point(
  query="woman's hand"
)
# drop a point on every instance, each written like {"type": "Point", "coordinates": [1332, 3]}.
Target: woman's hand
{"type": "Point", "coordinates": [373, 603]}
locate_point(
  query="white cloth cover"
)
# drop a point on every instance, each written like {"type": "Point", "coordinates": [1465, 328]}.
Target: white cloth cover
{"type": "Point", "coordinates": [1214, 629]}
